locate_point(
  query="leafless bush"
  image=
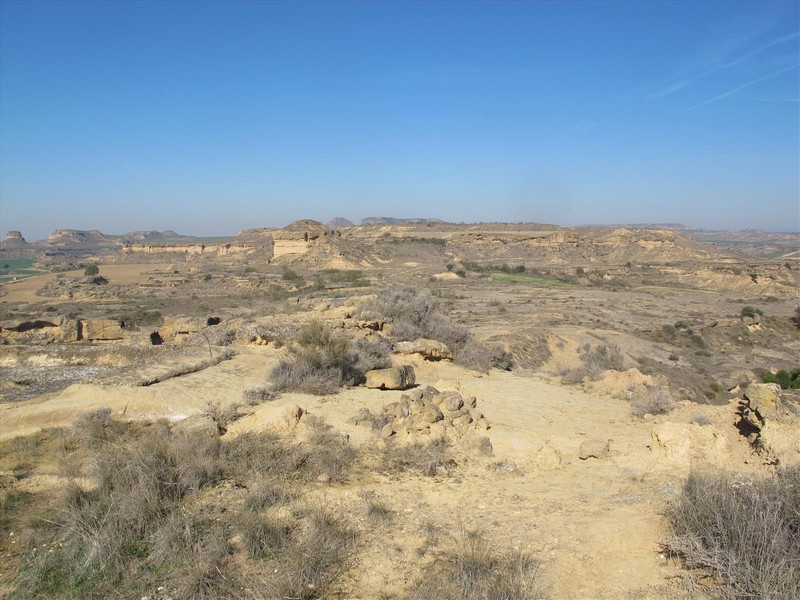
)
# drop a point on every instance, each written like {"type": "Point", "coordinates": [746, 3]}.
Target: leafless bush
{"type": "Point", "coordinates": [263, 537]}
{"type": "Point", "coordinates": [222, 415]}
{"type": "Point", "coordinates": [257, 395]}
{"type": "Point", "coordinates": [379, 512]}
{"type": "Point", "coordinates": [652, 401]}
{"type": "Point", "coordinates": [416, 314]}
{"type": "Point", "coordinates": [478, 571]}
{"type": "Point", "coordinates": [745, 531]}
{"type": "Point", "coordinates": [321, 362]}
{"type": "Point", "coordinates": [318, 552]}
{"type": "Point", "coordinates": [603, 357]}
{"type": "Point", "coordinates": [573, 376]}
{"type": "Point", "coordinates": [423, 458]}
{"type": "Point", "coordinates": [267, 492]}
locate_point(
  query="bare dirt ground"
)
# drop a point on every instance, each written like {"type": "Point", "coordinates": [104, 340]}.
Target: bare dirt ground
{"type": "Point", "coordinates": [595, 524]}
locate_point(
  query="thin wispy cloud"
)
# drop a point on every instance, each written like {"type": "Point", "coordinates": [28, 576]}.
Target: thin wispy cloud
{"type": "Point", "coordinates": [741, 87]}
{"type": "Point", "coordinates": [684, 83]}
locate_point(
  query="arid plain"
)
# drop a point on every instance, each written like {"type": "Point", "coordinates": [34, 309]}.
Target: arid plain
{"type": "Point", "coordinates": [564, 385]}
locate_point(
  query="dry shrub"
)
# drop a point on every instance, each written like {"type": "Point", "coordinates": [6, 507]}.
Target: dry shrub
{"type": "Point", "coordinates": [102, 533]}
{"type": "Point", "coordinates": [267, 492]}
{"type": "Point", "coordinates": [478, 571]}
{"type": "Point", "coordinates": [146, 521]}
{"type": "Point", "coordinates": [317, 552]}
{"type": "Point", "coordinates": [651, 401]}
{"type": "Point", "coordinates": [415, 314]}
{"type": "Point", "coordinates": [262, 536]}
{"type": "Point", "coordinates": [423, 458]}
{"type": "Point", "coordinates": [603, 357]}
{"type": "Point", "coordinates": [257, 395]}
{"type": "Point", "coordinates": [321, 362]}
{"type": "Point", "coordinates": [744, 531]}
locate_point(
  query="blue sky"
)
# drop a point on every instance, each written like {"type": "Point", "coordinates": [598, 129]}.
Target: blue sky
{"type": "Point", "coordinates": [211, 117]}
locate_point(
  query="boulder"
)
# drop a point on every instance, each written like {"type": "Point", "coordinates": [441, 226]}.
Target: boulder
{"type": "Point", "coordinates": [764, 399]}
{"type": "Point", "coordinates": [594, 449]}
{"type": "Point", "coordinates": [395, 378]}
{"type": "Point", "coordinates": [198, 424]}
{"type": "Point", "coordinates": [431, 413]}
{"type": "Point", "coordinates": [102, 330]}
{"type": "Point", "coordinates": [428, 349]}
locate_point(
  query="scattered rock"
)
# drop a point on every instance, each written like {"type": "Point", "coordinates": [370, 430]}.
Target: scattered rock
{"type": "Point", "coordinates": [293, 415]}
{"type": "Point", "coordinates": [395, 378]}
{"type": "Point", "coordinates": [482, 445]}
{"type": "Point", "coordinates": [428, 349]}
{"type": "Point", "coordinates": [387, 431]}
{"type": "Point", "coordinates": [548, 456]}
{"type": "Point", "coordinates": [201, 423]}
{"type": "Point", "coordinates": [594, 449]}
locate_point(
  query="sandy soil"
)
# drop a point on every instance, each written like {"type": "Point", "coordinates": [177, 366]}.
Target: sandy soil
{"type": "Point", "coordinates": [595, 523]}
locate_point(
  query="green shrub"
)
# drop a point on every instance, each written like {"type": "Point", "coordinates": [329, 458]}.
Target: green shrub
{"type": "Point", "coordinates": [784, 378]}
{"type": "Point", "coordinates": [91, 269]}
{"type": "Point", "coordinates": [751, 312]}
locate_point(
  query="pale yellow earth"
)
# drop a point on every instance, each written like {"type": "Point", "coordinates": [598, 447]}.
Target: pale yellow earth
{"type": "Point", "coordinates": [595, 524]}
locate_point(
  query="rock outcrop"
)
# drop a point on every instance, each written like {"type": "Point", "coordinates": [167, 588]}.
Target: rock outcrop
{"type": "Point", "coordinates": [394, 378]}
{"type": "Point", "coordinates": [428, 349]}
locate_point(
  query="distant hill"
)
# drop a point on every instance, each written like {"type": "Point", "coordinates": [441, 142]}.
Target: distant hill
{"type": "Point", "coordinates": [396, 221]}
{"type": "Point", "coordinates": [339, 222]}
{"type": "Point", "coordinates": [669, 226]}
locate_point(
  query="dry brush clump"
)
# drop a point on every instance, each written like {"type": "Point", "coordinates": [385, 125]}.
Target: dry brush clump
{"type": "Point", "coordinates": [651, 401]}
{"type": "Point", "coordinates": [153, 511]}
{"type": "Point", "coordinates": [477, 570]}
{"type": "Point", "coordinates": [744, 531]}
{"type": "Point", "coordinates": [320, 362]}
{"type": "Point", "coordinates": [414, 314]}
{"type": "Point", "coordinates": [595, 360]}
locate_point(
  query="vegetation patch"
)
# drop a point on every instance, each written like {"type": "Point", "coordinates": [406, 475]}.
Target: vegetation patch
{"type": "Point", "coordinates": [745, 532]}
{"type": "Point", "coordinates": [147, 513]}
{"type": "Point", "coordinates": [528, 279]}
{"type": "Point", "coordinates": [321, 362]}
{"type": "Point", "coordinates": [785, 379]}
{"type": "Point", "coordinates": [415, 314]}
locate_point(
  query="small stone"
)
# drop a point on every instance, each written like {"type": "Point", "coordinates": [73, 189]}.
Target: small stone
{"type": "Point", "coordinates": [324, 478]}
{"type": "Point", "coordinates": [462, 421]}
{"type": "Point", "coordinates": [483, 445]}
{"type": "Point", "coordinates": [387, 431]}
{"type": "Point", "coordinates": [594, 449]}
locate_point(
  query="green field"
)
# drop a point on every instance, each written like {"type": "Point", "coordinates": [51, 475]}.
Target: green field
{"type": "Point", "coordinates": [528, 279]}
{"type": "Point", "coordinates": [18, 268]}
{"type": "Point", "coordinates": [14, 264]}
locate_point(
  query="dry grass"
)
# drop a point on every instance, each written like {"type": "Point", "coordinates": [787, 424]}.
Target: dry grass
{"type": "Point", "coordinates": [651, 401]}
{"type": "Point", "coordinates": [153, 515]}
{"type": "Point", "coordinates": [415, 314]}
{"type": "Point", "coordinates": [477, 570]}
{"type": "Point", "coordinates": [418, 457]}
{"type": "Point", "coordinates": [321, 362]}
{"type": "Point", "coordinates": [746, 532]}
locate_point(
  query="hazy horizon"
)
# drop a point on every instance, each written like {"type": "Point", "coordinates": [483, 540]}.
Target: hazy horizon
{"type": "Point", "coordinates": [212, 117]}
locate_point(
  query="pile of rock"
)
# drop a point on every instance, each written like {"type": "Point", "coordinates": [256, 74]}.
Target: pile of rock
{"type": "Point", "coordinates": [429, 411]}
